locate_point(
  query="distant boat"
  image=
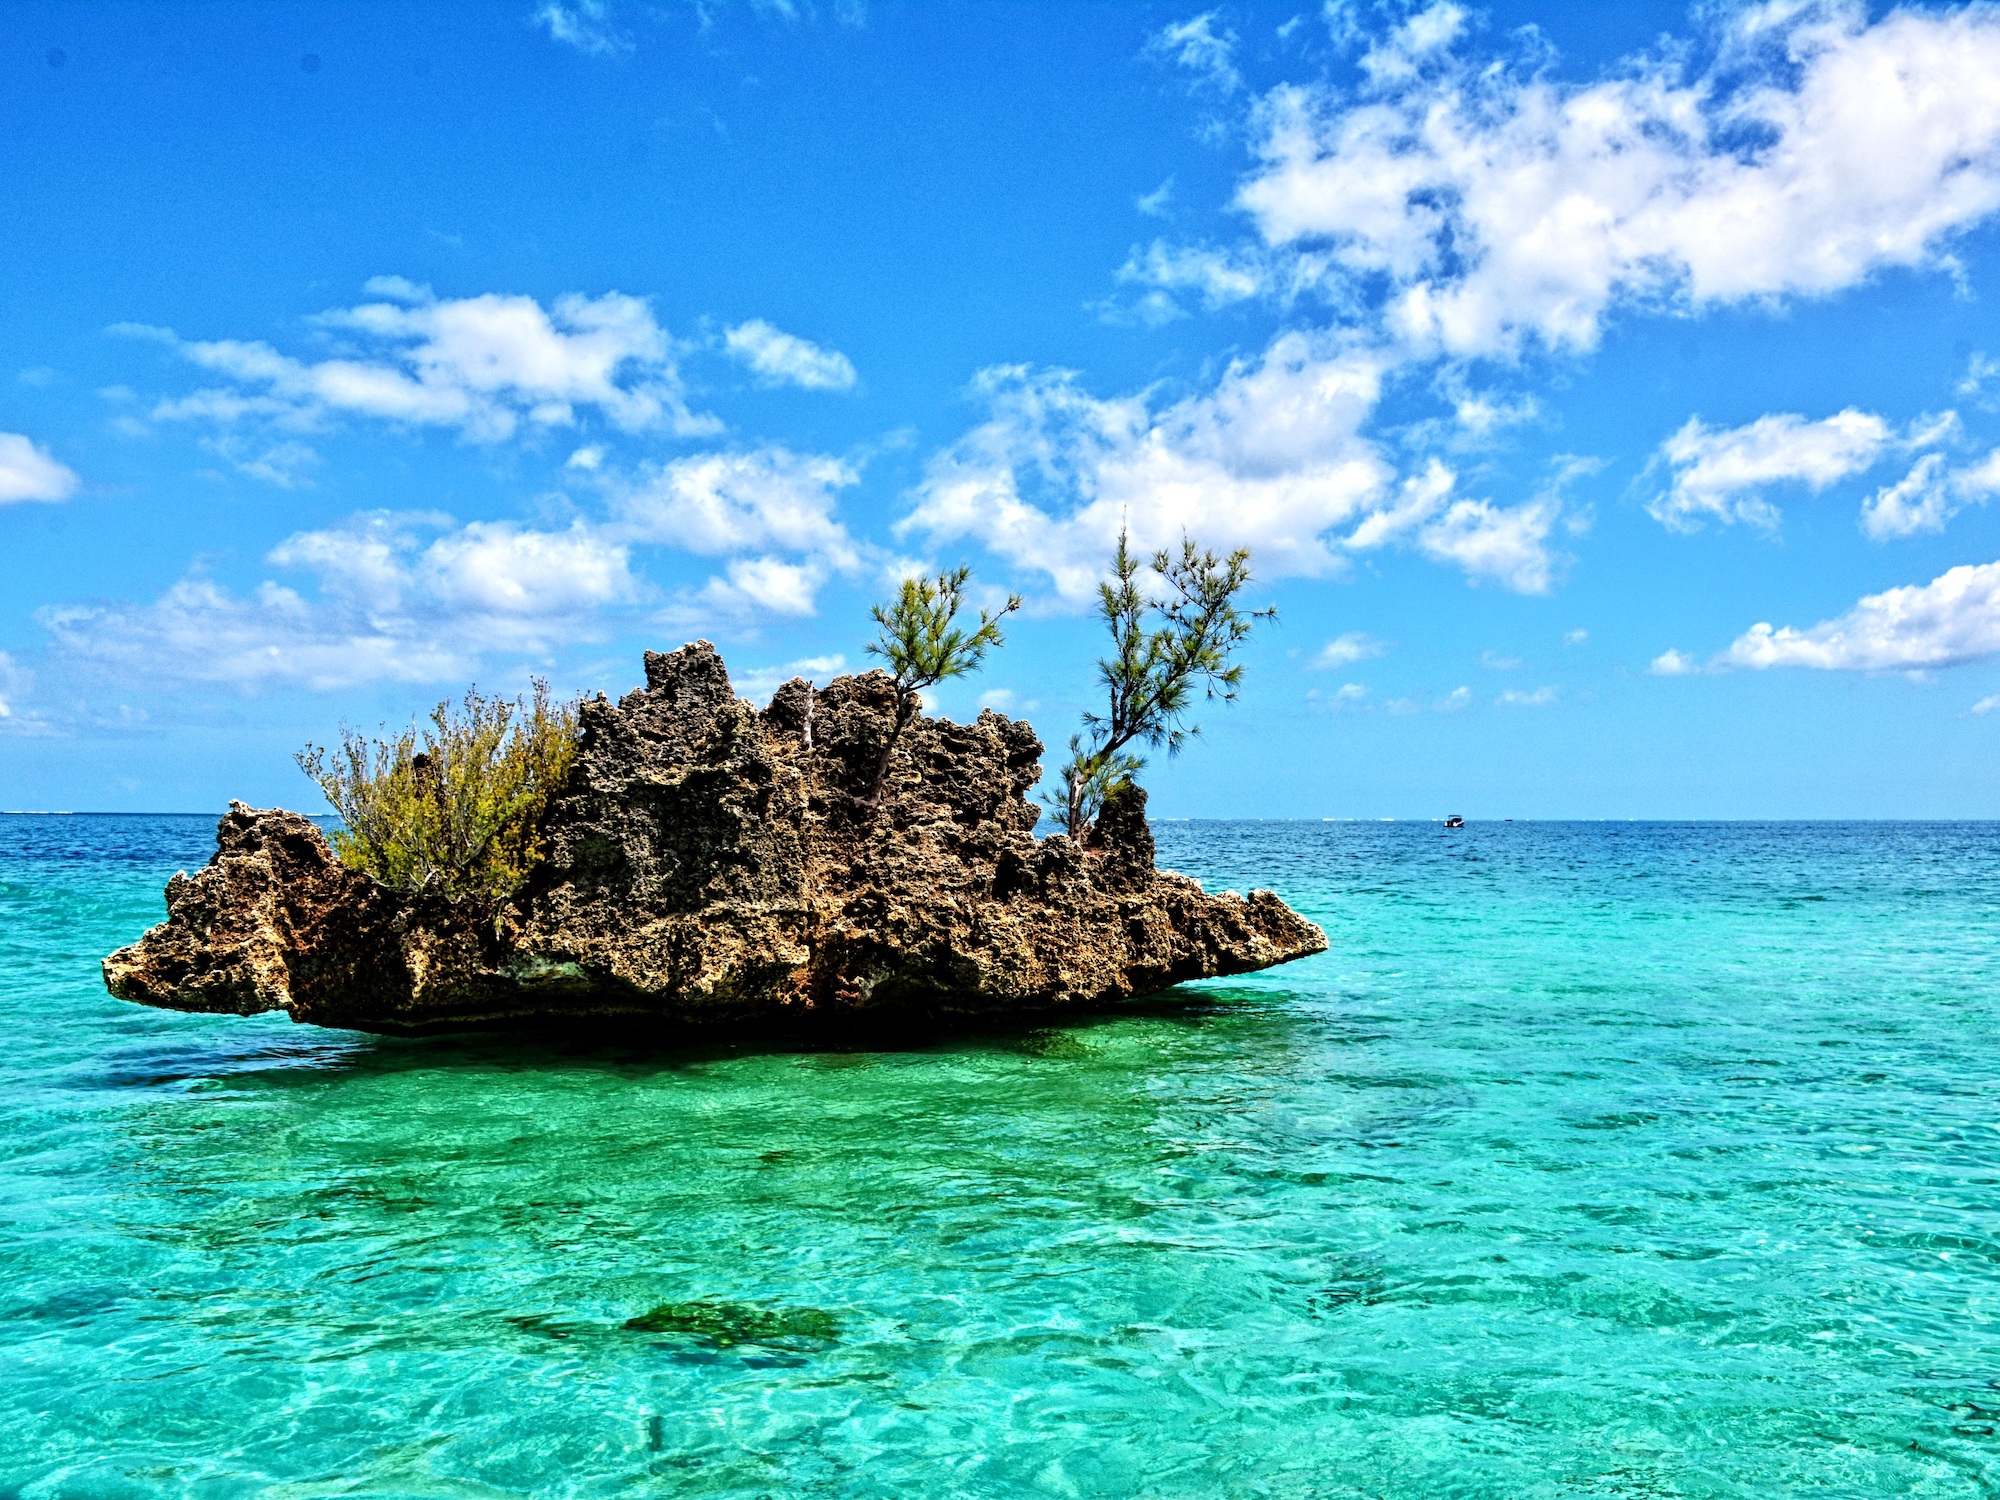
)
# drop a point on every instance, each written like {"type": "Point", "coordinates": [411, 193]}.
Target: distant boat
{"type": "Point", "coordinates": [1454, 821]}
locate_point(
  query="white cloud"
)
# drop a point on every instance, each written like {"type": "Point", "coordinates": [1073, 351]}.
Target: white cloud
{"type": "Point", "coordinates": [1506, 543]}
{"type": "Point", "coordinates": [1270, 458]}
{"type": "Point", "coordinates": [1575, 637]}
{"type": "Point", "coordinates": [583, 24]}
{"type": "Point", "coordinates": [765, 585]}
{"type": "Point", "coordinates": [1484, 414]}
{"type": "Point", "coordinates": [758, 683]}
{"type": "Point", "coordinates": [1672, 663]}
{"type": "Point", "coordinates": [1541, 697]}
{"type": "Point", "coordinates": [1217, 277]}
{"type": "Point", "coordinates": [753, 507]}
{"type": "Point", "coordinates": [1722, 473]}
{"type": "Point", "coordinates": [395, 600]}
{"type": "Point", "coordinates": [1928, 496]}
{"type": "Point", "coordinates": [1155, 204]}
{"type": "Point", "coordinates": [1197, 45]}
{"type": "Point", "coordinates": [1980, 372]}
{"type": "Point", "coordinates": [1985, 705]}
{"type": "Point", "coordinates": [1458, 698]}
{"type": "Point", "coordinates": [29, 472]}
{"type": "Point", "coordinates": [1345, 650]}
{"type": "Point", "coordinates": [1405, 50]}
{"type": "Point", "coordinates": [784, 359]}
{"type": "Point", "coordinates": [483, 365]}
{"type": "Point", "coordinates": [1495, 661]}
{"type": "Point", "coordinates": [1492, 205]}
{"type": "Point", "coordinates": [742, 501]}
{"type": "Point", "coordinates": [1919, 501]}
{"type": "Point", "coordinates": [1954, 618]}
{"type": "Point", "coordinates": [398, 289]}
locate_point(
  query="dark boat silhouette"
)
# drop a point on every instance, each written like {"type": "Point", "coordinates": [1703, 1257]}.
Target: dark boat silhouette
{"type": "Point", "coordinates": [1454, 821]}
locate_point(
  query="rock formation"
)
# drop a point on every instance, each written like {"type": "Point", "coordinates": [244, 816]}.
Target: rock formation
{"type": "Point", "coordinates": [713, 866]}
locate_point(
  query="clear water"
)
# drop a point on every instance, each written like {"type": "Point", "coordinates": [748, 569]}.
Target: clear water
{"type": "Point", "coordinates": [1593, 1160]}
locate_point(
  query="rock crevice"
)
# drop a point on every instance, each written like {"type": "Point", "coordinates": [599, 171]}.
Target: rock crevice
{"type": "Point", "coordinates": [713, 866]}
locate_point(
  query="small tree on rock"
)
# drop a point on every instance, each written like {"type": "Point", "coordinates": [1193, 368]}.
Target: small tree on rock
{"type": "Point", "coordinates": [923, 645]}
{"type": "Point", "coordinates": [1155, 669]}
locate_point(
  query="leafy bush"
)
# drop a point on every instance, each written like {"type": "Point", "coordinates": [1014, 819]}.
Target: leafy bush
{"type": "Point", "coordinates": [457, 806]}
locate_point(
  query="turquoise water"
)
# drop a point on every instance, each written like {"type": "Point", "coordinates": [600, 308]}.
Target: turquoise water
{"type": "Point", "coordinates": [1593, 1160]}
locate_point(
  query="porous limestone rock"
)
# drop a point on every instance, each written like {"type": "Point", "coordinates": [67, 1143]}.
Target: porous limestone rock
{"type": "Point", "coordinates": [713, 866]}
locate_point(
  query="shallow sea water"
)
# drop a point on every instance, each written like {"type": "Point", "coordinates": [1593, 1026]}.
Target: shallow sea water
{"type": "Point", "coordinates": [1595, 1159]}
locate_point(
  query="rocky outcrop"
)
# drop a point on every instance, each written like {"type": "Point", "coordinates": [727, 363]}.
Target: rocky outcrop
{"type": "Point", "coordinates": [713, 866]}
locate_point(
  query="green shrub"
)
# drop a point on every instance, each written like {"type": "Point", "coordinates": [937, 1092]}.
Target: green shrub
{"type": "Point", "coordinates": [457, 806]}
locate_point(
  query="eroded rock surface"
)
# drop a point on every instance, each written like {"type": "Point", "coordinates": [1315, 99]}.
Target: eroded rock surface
{"type": "Point", "coordinates": [715, 866]}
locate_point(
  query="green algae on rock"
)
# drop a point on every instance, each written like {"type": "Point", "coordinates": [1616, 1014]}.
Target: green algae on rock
{"type": "Point", "coordinates": [710, 865]}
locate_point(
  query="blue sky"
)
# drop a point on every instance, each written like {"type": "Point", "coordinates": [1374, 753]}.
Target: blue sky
{"type": "Point", "coordinates": [1609, 395]}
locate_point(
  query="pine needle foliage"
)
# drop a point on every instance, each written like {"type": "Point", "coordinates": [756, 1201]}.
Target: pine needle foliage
{"type": "Point", "coordinates": [1164, 652]}
{"type": "Point", "coordinates": [922, 643]}
{"type": "Point", "coordinates": [455, 806]}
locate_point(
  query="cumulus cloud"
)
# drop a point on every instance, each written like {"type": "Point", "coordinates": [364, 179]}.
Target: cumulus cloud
{"type": "Point", "coordinates": [1490, 206]}
{"type": "Point", "coordinates": [784, 359]}
{"type": "Point", "coordinates": [1722, 474]}
{"type": "Point", "coordinates": [1952, 619]}
{"type": "Point", "coordinates": [1456, 207]}
{"type": "Point", "coordinates": [1985, 705]}
{"type": "Point", "coordinates": [772, 512]}
{"type": "Point", "coordinates": [400, 597]}
{"type": "Point", "coordinates": [1673, 663]}
{"type": "Point", "coordinates": [1270, 458]}
{"type": "Point", "coordinates": [483, 365]}
{"type": "Point", "coordinates": [1928, 496]}
{"type": "Point", "coordinates": [1345, 650]}
{"type": "Point", "coordinates": [1541, 697]}
{"type": "Point", "coordinates": [30, 472]}
{"type": "Point", "coordinates": [765, 585]}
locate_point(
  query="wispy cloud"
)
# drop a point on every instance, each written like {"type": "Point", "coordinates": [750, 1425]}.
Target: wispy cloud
{"type": "Point", "coordinates": [785, 359]}
{"type": "Point", "coordinates": [1203, 47]}
{"type": "Point", "coordinates": [582, 24]}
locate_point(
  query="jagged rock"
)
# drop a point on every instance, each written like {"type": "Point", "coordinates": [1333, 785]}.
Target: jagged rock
{"type": "Point", "coordinates": [713, 866]}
